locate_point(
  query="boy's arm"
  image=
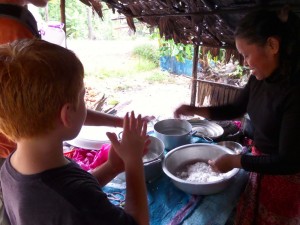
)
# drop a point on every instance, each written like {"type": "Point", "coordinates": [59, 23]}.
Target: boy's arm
{"type": "Point", "coordinates": [105, 173]}
{"type": "Point", "coordinates": [110, 169]}
{"type": "Point", "coordinates": [130, 150]}
{"type": "Point", "coordinates": [136, 192]}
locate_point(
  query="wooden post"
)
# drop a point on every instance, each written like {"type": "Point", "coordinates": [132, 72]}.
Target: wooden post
{"type": "Point", "coordinates": [194, 75]}
{"type": "Point", "coordinates": [63, 17]}
{"type": "Point", "coordinates": [63, 13]}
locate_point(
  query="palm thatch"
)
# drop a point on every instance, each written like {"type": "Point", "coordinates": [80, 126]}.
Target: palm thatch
{"type": "Point", "coordinates": [208, 23]}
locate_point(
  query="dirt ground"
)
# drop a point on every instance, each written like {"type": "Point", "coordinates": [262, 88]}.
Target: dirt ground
{"type": "Point", "coordinates": [159, 100]}
{"type": "Point", "coordinates": [156, 99]}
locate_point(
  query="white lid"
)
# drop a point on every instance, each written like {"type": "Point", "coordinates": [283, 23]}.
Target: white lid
{"type": "Point", "coordinates": [92, 137]}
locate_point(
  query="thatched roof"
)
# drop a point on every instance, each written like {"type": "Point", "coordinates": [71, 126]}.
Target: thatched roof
{"type": "Point", "coordinates": [203, 22]}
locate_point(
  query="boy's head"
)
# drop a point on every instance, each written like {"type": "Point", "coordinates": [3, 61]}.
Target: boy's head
{"type": "Point", "coordinates": [37, 79]}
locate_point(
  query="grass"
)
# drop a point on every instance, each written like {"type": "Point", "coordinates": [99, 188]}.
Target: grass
{"type": "Point", "coordinates": [159, 77]}
{"type": "Point", "coordinates": [144, 65]}
{"type": "Point", "coordinates": [148, 52]}
{"type": "Point", "coordinates": [135, 64]}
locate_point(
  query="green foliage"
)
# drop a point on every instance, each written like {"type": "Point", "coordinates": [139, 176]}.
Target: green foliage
{"type": "Point", "coordinates": [239, 71]}
{"type": "Point", "coordinates": [113, 102]}
{"type": "Point", "coordinates": [180, 51]}
{"type": "Point", "coordinates": [148, 52]}
{"type": "Point", "coordinates": [222, 54]}
{"type": "Point", "coordinates": [78, 16]}
{"type": "Point", "coordinates": [213, 60]}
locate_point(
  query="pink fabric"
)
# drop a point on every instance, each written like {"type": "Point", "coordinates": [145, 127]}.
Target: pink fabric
{"type": "Point", "coordinates": [89, 159]}
{"type": "Point", "coordinates": [270, 199]}
{"type": "Point", "coordinates": [238, 124]}
{"type": "Point", "coordinates": [186, 210]}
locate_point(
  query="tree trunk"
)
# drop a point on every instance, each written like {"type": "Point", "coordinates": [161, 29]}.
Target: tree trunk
{"type": "Point", "coordinates": [90, 29]}
{"type": "Point", "coordinates": [46, 14]}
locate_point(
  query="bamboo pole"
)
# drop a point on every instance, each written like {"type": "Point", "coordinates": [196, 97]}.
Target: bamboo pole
{"type": "Point", "coordinates": [194, 75]}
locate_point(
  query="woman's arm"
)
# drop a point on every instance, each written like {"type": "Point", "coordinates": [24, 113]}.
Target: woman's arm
{"type": "Point", "coordinates": [229, 111]}
{"type": "Point", "coordinates": [96, 118]}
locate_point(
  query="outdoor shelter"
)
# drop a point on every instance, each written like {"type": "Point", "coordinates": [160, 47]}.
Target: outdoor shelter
{"type": "Point", "coordinates": [209, 23]}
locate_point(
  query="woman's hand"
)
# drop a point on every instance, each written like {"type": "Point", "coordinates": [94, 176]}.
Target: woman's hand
{"type": "Point", "coordinates": [184, 110]}
{"type": "Point", "coordinates": [188, 110]}
{"type": "Point", "coordinates": [225, 163]}
{"type": "Point", "coordinates": [147, 119]}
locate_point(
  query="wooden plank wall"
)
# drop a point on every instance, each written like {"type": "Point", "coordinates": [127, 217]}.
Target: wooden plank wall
{"type": "Point", "coordinates": [215, 94]}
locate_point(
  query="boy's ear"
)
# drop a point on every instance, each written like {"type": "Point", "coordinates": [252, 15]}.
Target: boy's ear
{"type": "Point", "coordinates": [66, 115]}
{"type": "Point", "coordinates": [273, 44]}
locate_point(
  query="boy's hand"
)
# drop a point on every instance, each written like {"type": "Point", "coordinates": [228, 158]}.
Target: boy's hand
{"type": "Point", "coordinates": [114, 160]}
{"type": "Point", "coordinates": [134, 138]}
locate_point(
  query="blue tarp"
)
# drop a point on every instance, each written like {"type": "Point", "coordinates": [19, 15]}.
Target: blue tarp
{"type": "Point", "coordinates": [170, 64]}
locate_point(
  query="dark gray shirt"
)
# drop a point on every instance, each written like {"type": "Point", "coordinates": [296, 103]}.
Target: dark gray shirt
{"type": "Point", "coordinates": [63, 196]}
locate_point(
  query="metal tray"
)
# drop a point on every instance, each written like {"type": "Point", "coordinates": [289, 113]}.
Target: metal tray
{"type": "Point", "coordinates": [205, 128]}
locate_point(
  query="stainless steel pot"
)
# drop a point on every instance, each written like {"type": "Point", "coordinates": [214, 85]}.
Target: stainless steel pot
{"type": "Point", "coordinates": [173, 132]}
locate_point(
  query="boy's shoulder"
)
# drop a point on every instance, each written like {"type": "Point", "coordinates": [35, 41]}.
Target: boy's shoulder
{"type": "Point", "coordinates": [43, 193]}
{"type": "Point", "coordinates": [68, 180]}
{"type": "Point", "coordinates": [69, 183]}
{"type": "Point", "coordinates": [68, 188]}
{"type": "Point", "coordinates": [20, 14]}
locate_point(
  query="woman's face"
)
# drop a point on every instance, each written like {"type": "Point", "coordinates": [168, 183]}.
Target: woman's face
{"type": "Point", "coordinates": [262, 60]}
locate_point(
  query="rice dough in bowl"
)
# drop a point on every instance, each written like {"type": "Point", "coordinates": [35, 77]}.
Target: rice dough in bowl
{"type": "Point", "coordinates": [199, 172]}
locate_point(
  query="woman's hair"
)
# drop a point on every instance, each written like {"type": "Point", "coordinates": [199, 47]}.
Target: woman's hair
{"type": "Point", "coordinates": [257, 26]}
{"type": "Point", "coordinates": [36, 79]}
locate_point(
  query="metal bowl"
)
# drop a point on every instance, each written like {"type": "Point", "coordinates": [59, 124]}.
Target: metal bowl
{"type": "Point", "coordinates": [205, 128]}
{"type": "Point", "coordinates": [236, 147]}
{"type": "Point", "coordinates": [152, 160]}
{"type": "Point", "coordinates": [184, 155]}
